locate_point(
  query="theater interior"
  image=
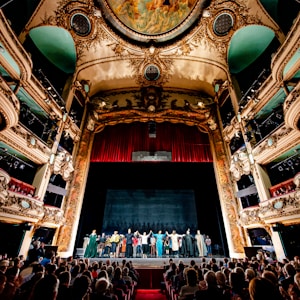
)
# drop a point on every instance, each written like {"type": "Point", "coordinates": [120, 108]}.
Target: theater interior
{"type": "Point", "coordinates": [154, 115]}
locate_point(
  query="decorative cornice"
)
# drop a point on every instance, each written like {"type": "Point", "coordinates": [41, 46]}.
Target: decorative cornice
{"type": "Point", "coordinates": [276, 209]}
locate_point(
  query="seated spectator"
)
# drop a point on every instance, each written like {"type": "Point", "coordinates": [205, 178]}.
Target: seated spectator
{"type": "Point", "coordinates": [49, 255]}
{"type": "Point", "coordinates": [249, 275]}
{"type": "Point", "coordinates": [80, 288]}
{"type": "Point", "coordinates": [222, 286]}
{"type": "Point", "coordinates": [237, 284]}
{"type": "Point", "coordinates": [210, 290]}
{"type": "Point", "coordinates": [126, 277]}
{"type": "Point", "coordinates": [289, 272]}
{"type": "Point", "coordinates": [103, 290]}
{"type": "Point", "coordinates": [191, 286]}
{"type": "Point", "coordinates": [119, 284]}
{"type": "Point", "coordinates": [262, 288]}
{"type": "Point", "coordinates": [4, 264]}
{"type": "Point", "coordinates": [64, 291]}
{"type": "Point", "coordinates": [46, 288]}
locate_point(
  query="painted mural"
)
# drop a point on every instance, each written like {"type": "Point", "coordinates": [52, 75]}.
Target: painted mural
{"type": "Point", "coordinates": [152, 17]}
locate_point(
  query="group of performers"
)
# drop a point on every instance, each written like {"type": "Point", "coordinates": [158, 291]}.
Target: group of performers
{"type": "Point", "coordinates": [135, 244]}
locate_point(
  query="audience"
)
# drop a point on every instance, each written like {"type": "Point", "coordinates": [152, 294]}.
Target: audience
{"type": "Point", "coordinates": [80, 279]}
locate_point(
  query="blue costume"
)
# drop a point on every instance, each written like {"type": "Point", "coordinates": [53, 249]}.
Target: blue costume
{"type": "Point", "coordinates": [159, 243]}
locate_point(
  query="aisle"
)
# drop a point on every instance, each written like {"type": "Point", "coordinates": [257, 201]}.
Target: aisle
{"type": "Point", "coordinates": [149, 294]}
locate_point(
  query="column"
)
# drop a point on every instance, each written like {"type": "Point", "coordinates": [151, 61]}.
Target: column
{"type": "Point", "coordinates": [234, 233]}
{"type": "Point", "coordinates": [73, 204]}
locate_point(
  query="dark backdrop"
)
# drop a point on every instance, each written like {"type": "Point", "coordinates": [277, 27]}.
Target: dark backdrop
{"type": "Point", "coordinates": [196, 177]}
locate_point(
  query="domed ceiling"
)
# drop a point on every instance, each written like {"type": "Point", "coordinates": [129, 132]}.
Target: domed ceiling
{"type": "Point", "coordinates": [152, 20]}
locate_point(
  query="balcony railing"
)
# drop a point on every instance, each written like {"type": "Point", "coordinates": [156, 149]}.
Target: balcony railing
{"type": "Point", "coordinates": [277, 208]}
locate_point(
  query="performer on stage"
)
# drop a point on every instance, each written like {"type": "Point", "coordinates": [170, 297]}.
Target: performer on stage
{"type": "Point", "coordinates": [91, 249]}
{"type": "Point", "coordinates": [101, 246]}
{"type": "Point", "coordinates": [159, 242]}
{"type": "Point", "coordinates": [174, 240]}
{"type": "Point", "coordinates": [145, 245]}
{"type": "Point", "coordinates": [208, 246]}
{"type": "Point", "coordinates": [129, 240]}
{"type": "Point", "coordinates": [201, 247]}
{"type": "Point", "coordinates": [115, 239]}
{"type": "Point", "coordinates": [188, 241]}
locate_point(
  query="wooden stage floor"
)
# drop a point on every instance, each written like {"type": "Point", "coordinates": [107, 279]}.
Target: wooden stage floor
{"type": "Point", "coordinates": [155, 262]}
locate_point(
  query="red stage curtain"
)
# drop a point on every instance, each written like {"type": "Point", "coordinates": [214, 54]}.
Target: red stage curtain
{"type": "Point", "coordinates": [116, 143]}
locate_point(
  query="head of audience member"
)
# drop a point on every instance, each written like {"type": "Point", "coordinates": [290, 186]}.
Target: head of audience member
{"type": "Point", "coordinates": [221, 279]}
{"type": "Point", "coordinates": [103, 274]}
{"type": "Point", "coordinates": [102, 286]}
{"type": "Point", "coordinates": [64, 278]}
{"type": "Point", "coordinates": [125, 271]}
{"type": "Point", "coordinates": [261, 289]}
{"type": "Point", "coordinates": [81, 287]}
{"type": "Point", "coordinates": [210, 278]}
{"type": "Point", "coordinates": [50, 268]}
{"type": "Point", "coordinates": [191, 277]}
{"type": "Point", "coordinates": [236, 282]}
{"type": "Point", "coordinates": [289, 270]}
{"type": "Point", "coordinates": [227, 272]}
{"type": "Point", "coordinates": [45, 288]}
{"type": "Point", "coordinates": [249, 274]}
{"type": "Point", "coordinates": [4, 264]}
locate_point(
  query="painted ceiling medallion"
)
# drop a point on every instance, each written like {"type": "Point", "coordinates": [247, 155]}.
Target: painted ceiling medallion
{"type": "Point", "coordinates": [152, 20]}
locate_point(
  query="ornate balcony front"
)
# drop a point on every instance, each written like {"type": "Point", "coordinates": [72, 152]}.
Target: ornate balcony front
{"type": "Point", "coordinates": [281, 209]}
{"type": "Point", "coordinates": [21, 207]}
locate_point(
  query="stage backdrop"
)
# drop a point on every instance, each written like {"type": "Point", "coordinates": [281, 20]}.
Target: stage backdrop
{"type": "Point", "coordinates": [144, 209]}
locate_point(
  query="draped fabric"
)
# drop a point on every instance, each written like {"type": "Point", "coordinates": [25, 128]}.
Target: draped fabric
{"type": "Point", "coordinates": [116, 143]}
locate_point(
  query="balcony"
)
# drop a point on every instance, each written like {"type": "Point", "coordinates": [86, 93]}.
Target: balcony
{"type": "Point", "coordinates": [20, 206]}
{"type": "Point", "coordinates": [282, 208]}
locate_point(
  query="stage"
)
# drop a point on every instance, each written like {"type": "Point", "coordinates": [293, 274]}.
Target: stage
{"type": "Point", "coordinates": [156, 262]}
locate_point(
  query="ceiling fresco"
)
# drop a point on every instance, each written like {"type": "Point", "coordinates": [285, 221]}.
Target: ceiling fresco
{"type": "Point", "coordinates": [158, 20]}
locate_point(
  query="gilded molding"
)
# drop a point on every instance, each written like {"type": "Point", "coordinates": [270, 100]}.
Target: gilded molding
{"type": "Point", "coordinates": [274, 209]}
{"type": "Point", "coordinates": [291, 108]}
{"type": "Point", "coordinates": [53, 215]}
{"type": "Point", "coordinates": [63, 165]}
{"type": "Point", "coordinates": [22, 206]}
{"type": "Point", "coordinates": [265, 145]}
{"type": "Point", "coordinates": [226, 193]}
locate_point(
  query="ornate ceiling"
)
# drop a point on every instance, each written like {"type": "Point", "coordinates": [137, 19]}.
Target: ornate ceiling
{"type": "Point", "coordinates": [188, 48]}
